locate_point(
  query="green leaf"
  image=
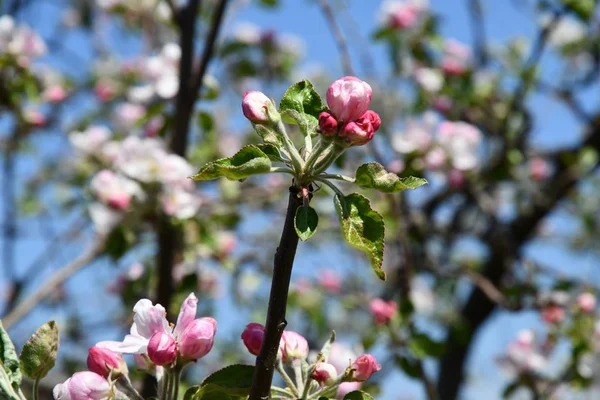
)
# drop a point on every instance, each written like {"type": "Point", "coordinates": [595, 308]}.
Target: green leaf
{"type": "Point", "coordinates": [326, 349]}
{"type": "Point", "coordinates": [271, 151]}
{"type": "Point", "coordinates": [362, 227]}
{"type": "Point", "coordinates": [358, 395]}
{"type": "Point", "coordinates": [307, 125]}
{"type": "Point", "coordinates": [423, 346]}
{"type": "Point", "coordinates": [269, 136]}
{"type": "Point", "coordinates": [250, 160]}
{"type": "Point", "coordinates": [230, 382]}
{"type": "Point", "coordinates": [374, 176]}
{"type": "Point", "coordinates": [409, 366]}
{"type": "Point", "coordinates": [584, 9]}
{"type": "Point", "coordinates": [39, 352]}
{"type": "Point", "coordinates": [306, 222]}
{"type": "Point", "coordinates": [303, 98]}
{"type": "Point", "coordinates": [9, 360]}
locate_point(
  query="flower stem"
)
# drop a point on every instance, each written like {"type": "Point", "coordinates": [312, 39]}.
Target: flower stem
{"type": "Point", "coordinates": [176, 382]}
{"type": "Point", "coordinates": [276, 323]}
{"type": "Point", "coordinates": [287, 379]}
{"type": "Point", "coordinates": [295, 156]}
{"type": "Point", "coordinates": [128, 388]}
{"type": "Point", "coordinates": [36, 388]}
{"type": "Point", "coordinates": [165, 385]}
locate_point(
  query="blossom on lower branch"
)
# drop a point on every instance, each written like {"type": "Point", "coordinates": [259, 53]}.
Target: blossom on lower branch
{"type": "Point", "coordinates": [85, 385]}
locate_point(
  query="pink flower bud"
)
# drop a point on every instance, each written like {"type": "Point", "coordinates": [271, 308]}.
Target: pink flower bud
{"type": "Point", "coordinates": [349, 98]}
{"type": "Point", "coordinates": [55, 94]}
{"type": "Point", "coordinates": [105, 90]}
{"type": "Point", "coordinates": [102, 361]}
{"type": "Point", "coordinates": [255, 105]}
{"type": "Point", "coordinates": [347, 387]}
{"type": "Point", "coordinates": [330, 281]}
{"type": "Point", "coordinates": [553, 314]}
{"type": "Point", "coordinates": [119, 201]}
{"type": "Point", "coordinates": [324, 373]}
{"type": "Point", "coordinates": [456, 178]}
{"type": "Point", "coordinates": [453, 67]}
{"type": "Point", "coordinates": [364, 366]}
{"type": "Point", "coordinates": [361, 131]}
{"type": "Point", "coordinates": [586, 302]}
{"type": "Point", "coordinates": [253, 337]}
{"type": "Point", "coordinates": [383, 311]}
{"type": "Point", "coordinates": [404, 16]}
{"type": "Point", "coordinates": [162, 349]}
{"type": "Point", "coordinates": [87, 385]}
{"type": "Point", "coordinates": [294, 346]}
{"type": "Point", "coordinates": [539, 169]}
{"type": "Point", "coordinates": [328, 124]}
{"type": "Point", "coordinates": [198, 338]}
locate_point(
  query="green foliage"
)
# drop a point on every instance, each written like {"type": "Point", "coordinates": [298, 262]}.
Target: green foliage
{"type": "Point", "coordinates": [362, 227]}
{"type": "Point", "coordinates": [374, 176]}
{"type": "Point", "coordinates": [10, 373]}
{"type": "Point", "coordinates": [39, 352]}
{"type": "Point", "coordinates": [250, 160]}
{"type": "Point", "coordinates": [271, 151]}
{"type": "Point", "coordinates": [119, 241]}
{"type": "Point", "coordinates": [305, 222]}
{"type": "Point", "coordinates": [584, 9]}
{"type": "Point", "coordinates": [423, 346]}
{"type": "Point", "coordinates": [232, 382]}
{"type": "Point", "coordinates": [358, 395]}
{"type": "Point", "coordinates": [302, 98]}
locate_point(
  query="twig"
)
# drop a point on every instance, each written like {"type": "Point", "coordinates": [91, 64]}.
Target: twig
{"type": "Point", "coordinates": [276, 323]}
{"type": "Point", "coordinates": [338, 35]}
{"type": "Point", "coordinates": [59, 277]}
{"type": "Point", "coordinates": [479, 37]}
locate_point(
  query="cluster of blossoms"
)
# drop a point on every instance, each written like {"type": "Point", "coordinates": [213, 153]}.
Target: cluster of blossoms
{"type": "Point", "coordinates": [134, 168]}
{"type": "Point", "coordinates": [453, 146]}
{"type": "Point", "coordinates": [158, 348]}
{"type": "Point", "coordinates": [525, 354]}
{"type": "Point", "coordinates": [349, 120]}
{"type": "Point", "coordinates": [20, 42]}
{"type": "Point", "coordinates": [403, 15]}
{"type": "Point", "coordinates": [335, 370]}
{"type": "Point", "coordinates": [554, 305]}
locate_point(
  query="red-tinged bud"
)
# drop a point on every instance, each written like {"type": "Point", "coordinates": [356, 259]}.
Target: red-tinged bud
{"type": "Point", "coordinates": [255, 106]}
{"type": "Point", "coordinates": [102, 361]}
{"type": "Point", "coordinates": [383, 311]}
{"type": "Point", "coordinates": [586, 302]}
{"type": "Point", "coordinates": [253, 337]}
{"type": "Point", "coordinates": [364, 366]}
{"type": "Point", "coordinates": [198, 338]}
{"type": "Point", "coordinates": [324, 373]}
{"type": "Point", "coordinates": [362, 130]}
{"type": "Point", "coordinates": [327, 124]}
{"type": "Point", "coordinates": [162, 349]}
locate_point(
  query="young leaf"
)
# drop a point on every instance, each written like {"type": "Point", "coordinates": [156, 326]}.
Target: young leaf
{"type": "Point", "coordinates": [358, 395]}
{"type": "Point", "coordinates": [306, 222]}
{"type": "Point", "coordinates": [39, 352]}
{"type": "Point", "coordinates": [301, 97]}
{"type": "Point", "coordinates": [374, 176]}
{"type": "Point", "coordinates": [362, 227]}
{"type": "Point", "coordinates": [269, 136]}
{"type": "Point", "coordinates": [229, 383]}
{"type": "Point", "coordinates": [8, 358]}
{"type": "Point", "coordinates": [271, 151]}
{"type": "Point", "coordinates": [307, 125]}
{"type": "Point", "coordinates": [326, 349]}
{"type": "Point", "coordinates": [250, 160]}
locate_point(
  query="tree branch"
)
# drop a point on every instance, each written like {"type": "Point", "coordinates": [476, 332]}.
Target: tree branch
{"type": "Point", "coordinates": [276, 323]}
{"type": "Point", "coordinates": [338, 35]}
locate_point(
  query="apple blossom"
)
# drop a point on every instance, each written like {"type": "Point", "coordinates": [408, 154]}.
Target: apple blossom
{"type": "Point", "coordinates": [586, 302]}
{"type": "Point", "coordinates": [103, 361]}
{"type": "Point", "coordinates": [362, 130]}
{"type": "Point", "coordinates": [162, 349]}
{"type": "Point", "coordinates": [254, 107]}
{"type": "Point", "coordinates": [539, 169]}
{"type": "Point", "coordinates": [198, 338]}
{"type": "Point", "coordinates": [330, 281]}
{"type": "Point", "coordinates": [524, 354]}
{"type": "Point", "coordinates": [90, 140]}
{"type": "Point", "coordinates": [327, 124]}
{"type": "Point", "coordinates": [364, 366]}
{"type": "Point", "coordinates": [324, 373]}
{"type": "Point", "coordinates": [383, 311]}
{"type": "Point", "coordinates": [553, 314]}
{"type": "Point", "coordinates": [85, 385]}
{"type": "Point", "coordinates": [294, 346]}
{"type": "Point", "coordinates": [349, 98]}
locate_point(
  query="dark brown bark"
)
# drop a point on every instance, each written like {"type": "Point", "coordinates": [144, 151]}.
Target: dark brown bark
{"type": "Point", "coordinates": [276, 323]}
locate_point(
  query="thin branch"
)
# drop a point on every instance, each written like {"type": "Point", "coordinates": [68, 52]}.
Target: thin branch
{"type": "Point", "coordinates": [338, 35]}
{"type": "Point", "coordinates": [478, 27]}
{"type": "Point", "coordinates": [57, 279]}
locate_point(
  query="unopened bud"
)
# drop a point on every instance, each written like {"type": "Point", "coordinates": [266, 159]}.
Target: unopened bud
{"type": "Point", "coordinates": [162, 349]}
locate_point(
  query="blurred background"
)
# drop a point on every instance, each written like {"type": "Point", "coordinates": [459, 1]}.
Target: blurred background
{"type": "Point", "coordinates": [107, 106]}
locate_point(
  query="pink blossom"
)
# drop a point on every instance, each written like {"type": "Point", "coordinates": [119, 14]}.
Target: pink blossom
{"type": "Point", "coordinates": [456, 178]}
{"type": "Point", "coordinates": [396, 166]}
{"type": "Point", "coordinates": [456, 59]}
{"type": "Point", "coordinates": [405, 16]}
{"type": "Point", "coordinates": [55, 94]}
{"type": "Point", "coordinates": [327, 124]}
{"type": "Point", "coordinates": [364, 366]}
{"type": "Point", "coordinates": [330, 281]}
{"type": "Point", "coordinates": [553, 314]}
{"type": "Point", "coordinates": [34, 117]}
{"type": "Point", "coordinates": [162, 349]}
{"type": "Point", "coordinates": [324, 373]}
{"type": "Point", "coordinates": [586, 302]}
{"type": "Point", "coordinates": [102, 361]}
{"type": "Point", "coordinates": [539, 169]}
{"type": "Point", "coordinates": [349, 98]}
{"type": "Point", "coordinates": [114, 190]}
{"type": "Point", "coordinates": [295, 346]}
{"type": "Point", "coordinates": [452, 66]}
{"type": "Point", "coordinates": [443, 104]}
{"type": "Point", "coordinates": [254, 107]}
{"type": "Point", "coordinates": [198, 338]}
{"type": "Point", "coordinates": [361, 131]}
{"type": "Point", "coordinates": [253, 337]}
{"type": "Point", "coordinates": [435, 158]}
{"type": "Point", "coordinates": [383, 311]}
{"type": "Point", "coordinates": [105, 90]}
{"type": "Point", "coordinates": [524, 354]}
{"type": "Point", "coordinates": [84, 385]}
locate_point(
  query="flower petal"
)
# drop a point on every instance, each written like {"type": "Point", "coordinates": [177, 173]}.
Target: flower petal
{"type": "Point", "coordinates": [187, 314]}
{"type": "Point", "coordinates": [150, 319]}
